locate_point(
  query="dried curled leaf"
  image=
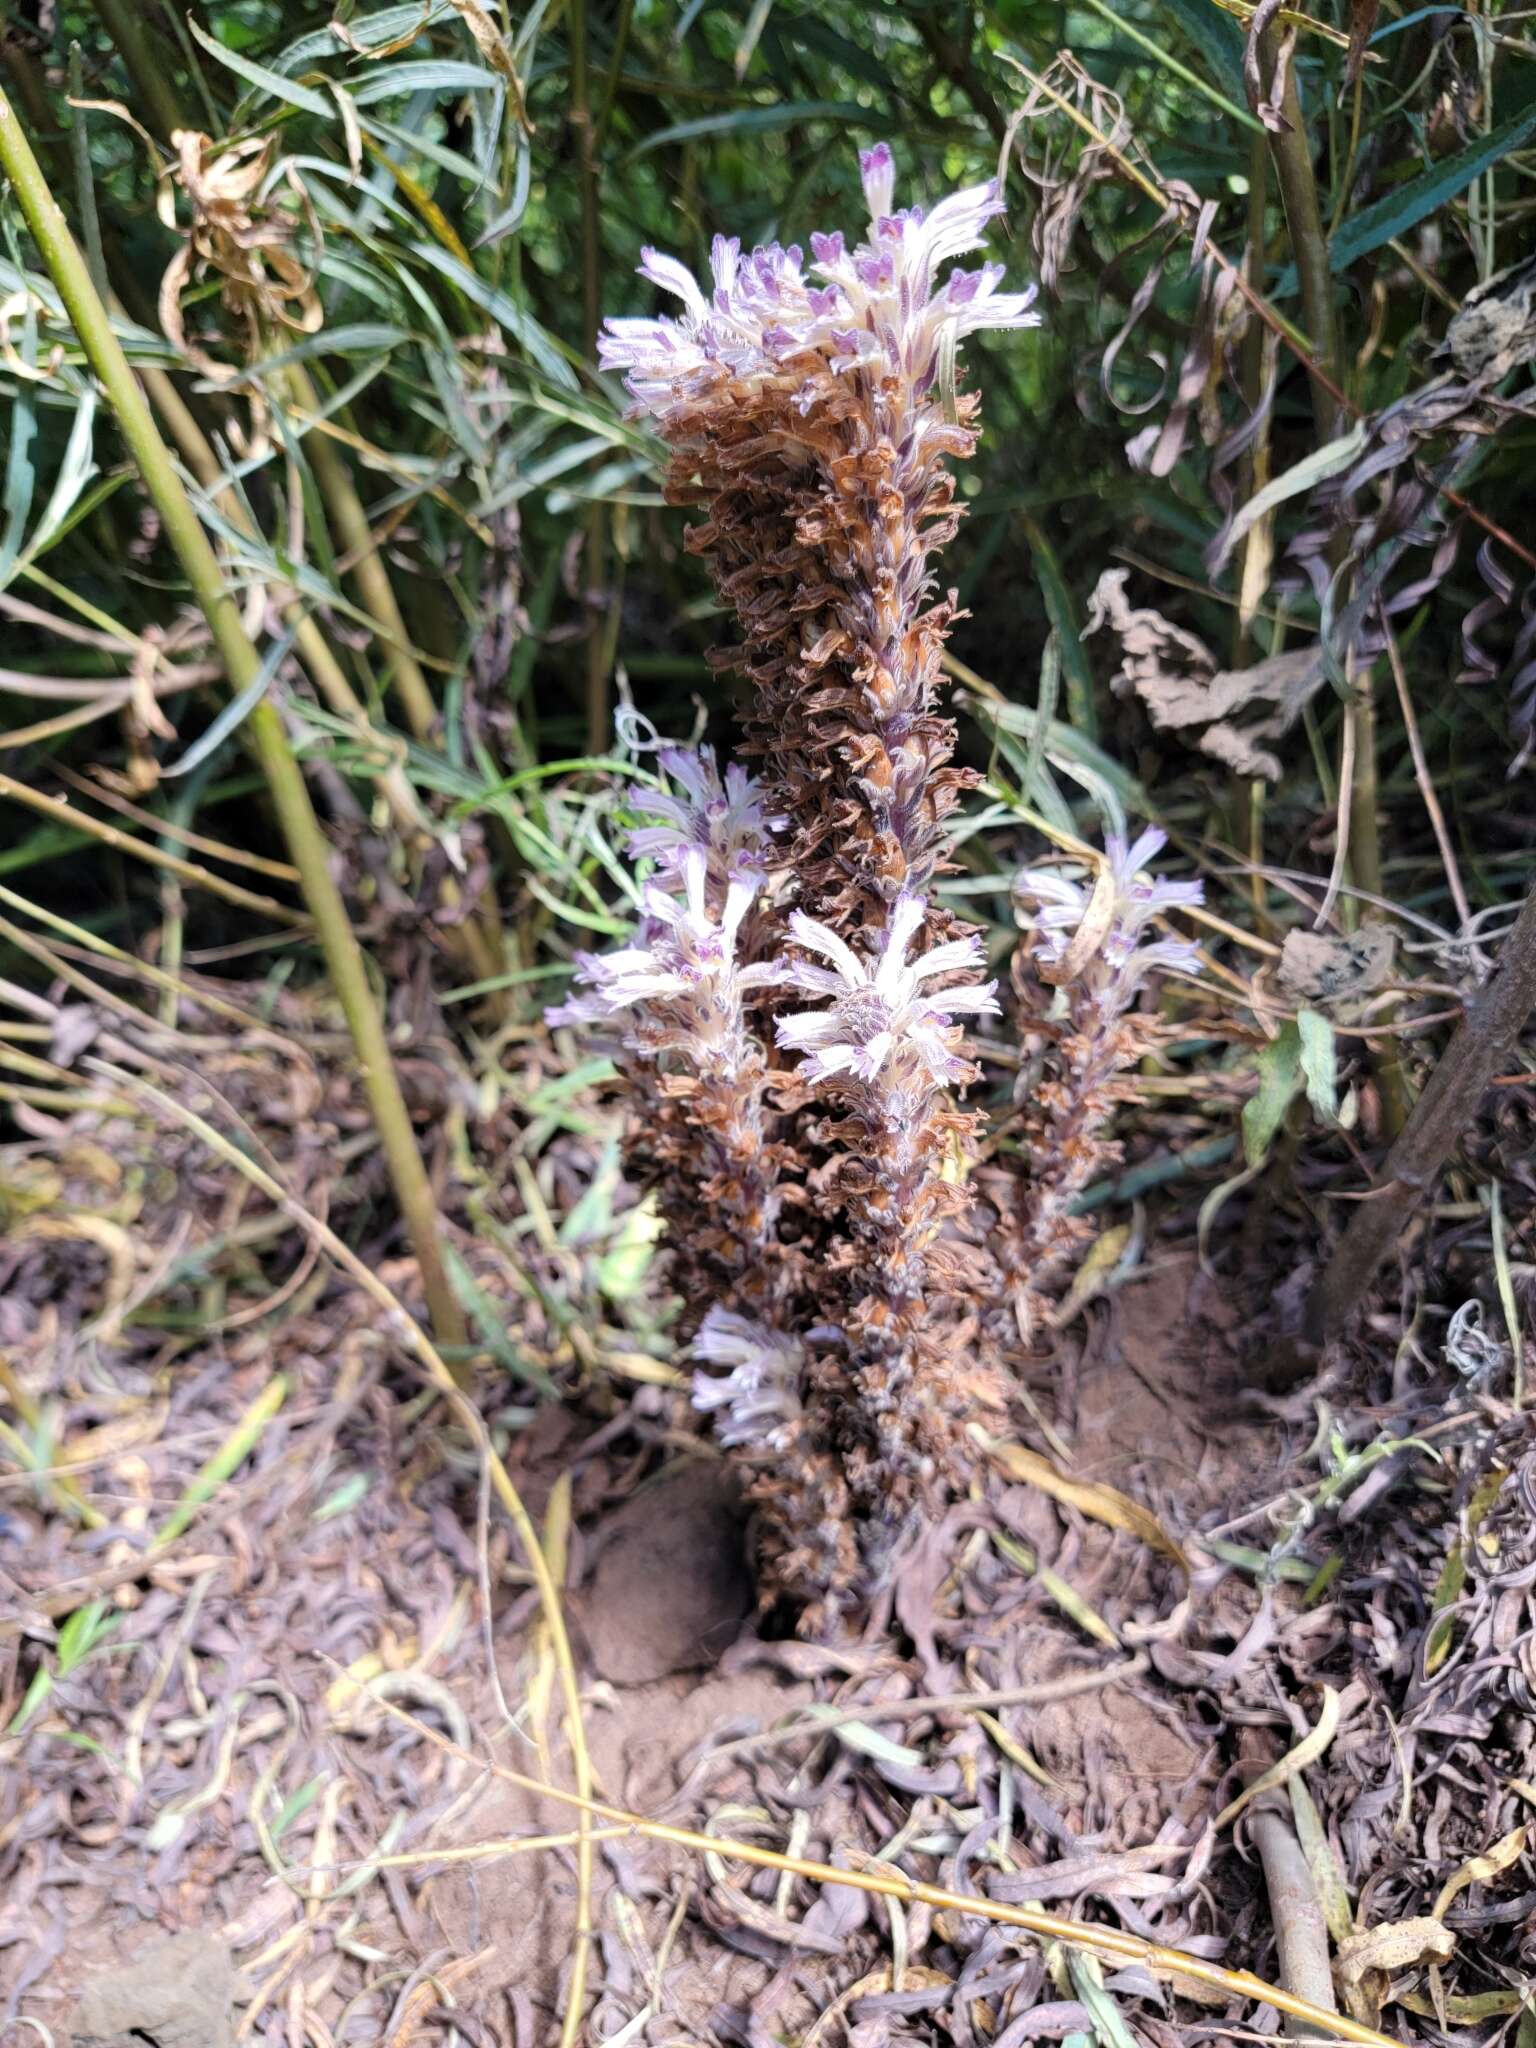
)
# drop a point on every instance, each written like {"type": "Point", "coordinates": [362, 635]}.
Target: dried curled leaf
{"type": "Point", "coordinates": [1306, 1752]}
{"type": "Point", "coordinates": [1366, 1961]}
{"type": "Point", "coordinates": [1494, 330]}
{"type": "Point", "coordinates": [1485, 1868]}
{"type": "Point", "coordinates": [1175, 675]}
{"type": "Point", "coordinates": [1104, 1503]}
{"type": "Point", "coordinates": [1329, 967]}
{"type": "Point", "coordinates": [237, 234]}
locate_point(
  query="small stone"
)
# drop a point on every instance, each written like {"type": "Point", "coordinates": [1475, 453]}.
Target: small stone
{"type": "Point", "coordinates": [670, 1588]}
{"type": "Point", "coordinates": [179, 1994]}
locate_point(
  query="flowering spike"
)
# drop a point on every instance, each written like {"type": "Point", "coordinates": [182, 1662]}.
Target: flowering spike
{"type": "Point", "coordinates": [1091, 1036]}
{"type": "Point", "coordinates": [814, 413]}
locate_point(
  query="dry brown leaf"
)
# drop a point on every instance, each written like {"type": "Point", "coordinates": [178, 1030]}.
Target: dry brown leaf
{"type": "Point", "coordinates": [1095, 1273]}
{"type": "Point", "coordinates": [1097, 921]}
{"type": "Point", "coordinates": [1325, 967]}
{"type": "Point", "coordinates": [914, 1978]}
{"type": "Point", "coordinates": [1483, 1869]}
{"type": "Point", "coordinates": [1307, 1751]}
{"type": "Point", "coordinates": [1494, 331]}
{"type": "Point", "coordinates": [1362, 25]}
{"type": "Point", "coordinates": [488, 41]}
{"type": "Point", "coordinates": [1366, 1961]}
{"type": "Point", "coordinates": [1104, 1503]}
{"type": "Point", "coordinates": [1175, 675]}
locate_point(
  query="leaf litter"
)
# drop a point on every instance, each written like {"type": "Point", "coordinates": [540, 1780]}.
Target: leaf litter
{"type": "Point", "coordinates": [1080, 1682]}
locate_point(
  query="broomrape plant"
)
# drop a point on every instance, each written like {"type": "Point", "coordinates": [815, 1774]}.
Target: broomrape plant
{"type": "Point", "coordinates": [789, 1018]}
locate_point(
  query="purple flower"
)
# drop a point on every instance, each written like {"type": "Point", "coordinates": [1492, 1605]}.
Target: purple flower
{"type": "Point", "coordinates": [726, 820]}
{"type": "Point", "coordinates": [758, 1398]}
{"type": "Point", "coordinates": [876, 303]}
{"type": "Point", "coordinates": [1055, 908]}
{"type": "Point", "coordinates": [880, 1018]}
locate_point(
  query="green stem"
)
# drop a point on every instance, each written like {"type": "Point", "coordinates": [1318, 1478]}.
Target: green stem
{"type": "Point", "coordinates": [595, 568]}
{"type": "Point", "coordinates": [1309, 244]}
{"type": "Point", "coordinates": [123, 22]}
{"type": "Point", "coordinates": [349, 520]}
{"type": "Point", "coordinates": [479, 933]}
{"type": "Point", "coordinates": [269, 740]}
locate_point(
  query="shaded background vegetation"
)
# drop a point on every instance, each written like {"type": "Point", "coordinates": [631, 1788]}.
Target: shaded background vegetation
{"type": "Point", "coordinates": [394, 233]}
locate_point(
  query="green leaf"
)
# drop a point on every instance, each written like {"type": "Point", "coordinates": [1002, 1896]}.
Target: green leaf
{"type": "Point", "coordinates": [367, 31]}
{"type": "Point", "coordinates": [1319, 1063]}
{"type": "Point", "coordinates": [272, 82]}
{"type": "Point", "coordinates": [343, 1497]}
{"type": "Point", "coordinates": [75, 472]}
{"type": "Point", "coordinates": [517, 321]}
{"type": "Point", "coordinates": [236, 711]}
{"type": "Point", "coordinates": [1404, 208]}
{"type": "Point", "coordinates": [20, 475]}
{"type": "Point", "coordinates": [490, 1321]}
{"type": "Point", "coordinates": [864, 1740]}
{"type": "Point", "coordinates": [1316, 468]}
{"type": "Point", "coordinates": [1279, 1082]}
{"type": "Point", "coordinates": [392, 81]}
{"type": "Point", "coordinates": [1214, 36]}
{"type": "Point", "coordinates": [752, 121]}
{"type": "Point", "coordinates": [622, 1269]}
{"type": "Point", "coordinates": [1061, 610]}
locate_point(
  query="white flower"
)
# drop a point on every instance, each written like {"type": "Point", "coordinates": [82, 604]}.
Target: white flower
{"type": "Point", "coordinates": [684, 966]}
{"type": "Point", "coordinates": [759, 1395]}
{"type": "Point", "coordinates": [877, 303]}
{"type": "Point", "coordinates": [879, 1016]}
{"type": "Point", "coordinates": [1055, 907]}
{"type": "Point", "coordinates": [727, 820]}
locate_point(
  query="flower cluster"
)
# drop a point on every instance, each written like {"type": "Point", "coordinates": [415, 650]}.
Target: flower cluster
{"type": "Point", "coordinates": [678, 1002]}
{"type": "Point", "coordinates": [1094, 946]}
{"type": "Point", "coordinates": [814, 419]}
{"type": "Point", "coordinates": [726, 818]}
{"type": "Point", "coordinates": [1133, 901]}
{"type": "Point", "coordinates": [756, 1402]}
{"type": "Point", "coordinates": [876, 307]}
{"type": "Point", "coordinates": [881, 1021]}
{"type": "Point", "coordinates": [794, 955]}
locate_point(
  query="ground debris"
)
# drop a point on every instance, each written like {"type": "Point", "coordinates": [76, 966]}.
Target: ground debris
{"type": "Point", "coordinates": [181, 1993]}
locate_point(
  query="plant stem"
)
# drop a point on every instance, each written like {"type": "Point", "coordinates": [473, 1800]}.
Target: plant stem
{"type": "Point", "coordinates": [355, 536]}
{"type": "Point", "coordinates": [1484, 1042]}
{"type": "Point", "coordinates": [596, 563]}
{"type": "Point", "coordinates": [480, 939]}
{"type": "Point", "coordinates": [1361, 827]}
{"type": "Point", "coordinates": [314, 650]}
{"type": "Point", "coordinates": [123, 22]}
{"type": "Point", "coordinates": [1309, 244]}
{"type": "Point", "coordinates": [269, 740]}
{"type": "Point", "coordinates": [1301, 1932]}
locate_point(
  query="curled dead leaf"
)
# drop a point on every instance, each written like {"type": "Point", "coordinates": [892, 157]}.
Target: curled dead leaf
{"type": "Point", "coordinates": [1311, 1746]}
{"type": "Point", "coordinates": [1366, 1961]}
{"type": "Point", "coordinates": [1175, 675]}
{"type": "Point", "coordinates": [1104, 1503]}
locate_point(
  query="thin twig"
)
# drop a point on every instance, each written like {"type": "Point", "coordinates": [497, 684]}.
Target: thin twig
{"type": "Point", "coordinates": [60, 813]}
{"type": "Point", "coordinates": [1483, 1044]}
{"type": "Point", "coordinates": [1421, 775]}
